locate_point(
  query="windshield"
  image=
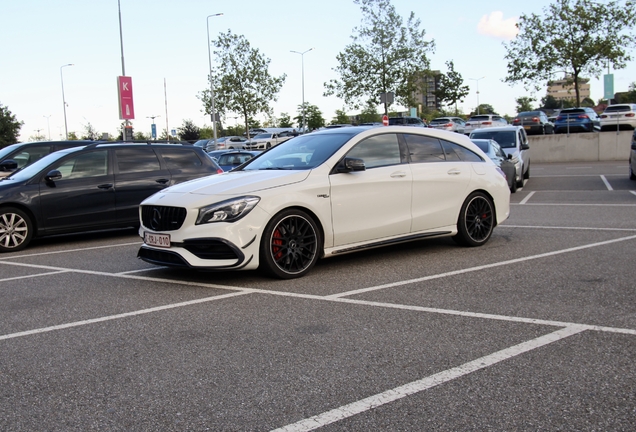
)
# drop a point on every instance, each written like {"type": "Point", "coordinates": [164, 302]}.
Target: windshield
{"type": "Point", "coordinates": [31, 170]}
{"type": "Point", "coordinates": [505, 139]}
{"type": "Point", "coordinates": [302, 153]}
{"type": "Point", "coordinates": [7, 150]}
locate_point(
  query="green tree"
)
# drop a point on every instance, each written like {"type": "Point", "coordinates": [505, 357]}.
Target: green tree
{"type": "Point", "coordinates": [369, 113]}
{"type": "Point", "coordinates": [285, 121]}
{"type": "Point", "coordinates": [189, 131]}
{"type": "Point", "coordinates": [451, 89]}
{"type": "Point", "coordinates": [341, 118]}
{"type": "Point", "coordinates": [524, 103]}
{"type": "Point", "coordinates": [72, 136]}
{"type": "Point", "coordinates": [628, 97]}
{"type": "Point", "coordinates": [9, 127]}
{"type": "Point", "coordinates": [243, 85]}
{"type": "Point", "coordinates": [484, 109]}
{"type": "Point", "coordinates": [549, 102]}
{"type": "Point", "coordinates": [385, 56]}
{"type": "Point", "coordinates": [90, 133]}
{"type": "Point", "coordinates": [313, 116]}
{"type": "Point", "coordinates": [140, 136]}
{"type": "Point", "coordinates": [577, 37]}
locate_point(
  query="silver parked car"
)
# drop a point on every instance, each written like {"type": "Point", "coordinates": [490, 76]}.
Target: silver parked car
{"type": "Point", "coordinates": [484, 121]}
{"type": "Point", "coordinates": [514, 142]}
{"type": "Point", "coordinates": [452, 124]}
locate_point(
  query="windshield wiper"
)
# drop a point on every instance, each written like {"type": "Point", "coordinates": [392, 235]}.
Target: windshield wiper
{"type": "Point", "coordinates": [278, 168]}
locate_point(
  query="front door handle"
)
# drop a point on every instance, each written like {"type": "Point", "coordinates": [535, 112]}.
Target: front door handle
{"type": "Point", "coordinates": [162, 181]}
{"type": "Point", "coordinates": [454, 172]}
{"type": "Point", "coordinates": [105, 186]}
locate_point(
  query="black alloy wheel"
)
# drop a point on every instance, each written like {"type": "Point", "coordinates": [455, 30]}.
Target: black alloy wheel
{"type": "Point", "coordinates": [290, 246]}
{"type": "Point", "coordinates": [476, 220]}
{"type": "Point", "coordinates": [16, 229]}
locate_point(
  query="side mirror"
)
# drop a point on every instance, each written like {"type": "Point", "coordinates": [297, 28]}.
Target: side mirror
{"type": "Point", "coordinates": [510, 156]}
{"type": "Point", "coordinates": [53, 175]}
{"type": "Point", "coordinates": [525, 146]}
{"type": "Point", "coordinates": [351, 164]}
{"type": "Point", "coordinates": [8, 165]}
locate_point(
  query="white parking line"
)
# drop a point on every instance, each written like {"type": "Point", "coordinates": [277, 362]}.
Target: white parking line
{"type": "Point", "coordinates": [122, 315]}
{"type": "Point", "coordinates": [35, 275]}
{"type": "Point", "coordinates": [394, 394]}
{"type": "Point", "coordinates": [69, 250]}
{"type": "Point", "coordinates": [634, 192]}
{"type": "Point", "coordinates": [525, 200]}
{"type": "Point", "coordinates": [609, 187]}
{"type": "Point", "coordinates": [504, 225]}
{"type": "Point", "coordinates": [478, 268]}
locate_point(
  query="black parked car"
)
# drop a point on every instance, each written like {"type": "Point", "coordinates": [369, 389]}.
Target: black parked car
{"type": "Point", "coordinates": [534, 122]}
{"type": "Point", "coordinates": [98, 186]}
{"type": "Point", "coordinates": [17, 156]}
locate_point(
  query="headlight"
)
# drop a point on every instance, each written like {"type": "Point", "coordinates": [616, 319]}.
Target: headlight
{"type": "Point", "coordinates": [227, 211]}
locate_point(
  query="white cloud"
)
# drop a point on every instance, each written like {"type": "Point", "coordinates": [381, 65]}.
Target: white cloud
{"type": "Point", "coordinates": [495, 25]}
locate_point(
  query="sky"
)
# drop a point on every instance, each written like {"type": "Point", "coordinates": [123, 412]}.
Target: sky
{"type": "Point", "coordinates": [165, 51]}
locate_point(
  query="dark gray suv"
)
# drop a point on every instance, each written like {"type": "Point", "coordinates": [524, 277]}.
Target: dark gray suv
{"type": "Point", "coordinates": [98, 186]}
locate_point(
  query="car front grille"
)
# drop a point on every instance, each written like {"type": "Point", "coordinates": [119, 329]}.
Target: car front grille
{"type": "Point", "coordinates": [160, 218]}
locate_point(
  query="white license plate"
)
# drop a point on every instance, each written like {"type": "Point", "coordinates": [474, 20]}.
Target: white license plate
{"type": "Point", "coordinates": [158, 240]}
{"type": "Point", "coordinates": [526, 127]}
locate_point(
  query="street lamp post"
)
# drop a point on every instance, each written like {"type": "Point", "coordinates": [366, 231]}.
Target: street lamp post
{"type": "Point", "coordinates": [302, 63]}
{"type": "Point", "coordinates": [63, 98]}
{"type": "Point", "coordinates": [212, 114]}
{"type": "Point", "coordinates": [477, 81]}
{"type": "Point", "coordinates": [48, 125]}
{"type": "Point", "coordinates": [153, 128]}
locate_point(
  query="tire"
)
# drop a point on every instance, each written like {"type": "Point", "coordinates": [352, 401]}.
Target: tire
{"type": "Point", "coordinates": [291, 245]}
{"type": "Point", "coordinates": [476, 221]}
{"type": "Point", "coordinates": [513, 187]}
{"type": "Point", "coordinates": [268, 146]}
{"type": "Point", "coordinates": [632, 176]}
{"type": "Point", "coordinates": [526, 175]}
{"type": "Point", "coordinates": [16, 229]}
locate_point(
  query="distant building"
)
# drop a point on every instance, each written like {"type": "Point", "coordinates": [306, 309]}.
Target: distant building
{"type": "Point", "coordinates": [428, 98]}
{"type": "Point", "coordinates": [562, 89]}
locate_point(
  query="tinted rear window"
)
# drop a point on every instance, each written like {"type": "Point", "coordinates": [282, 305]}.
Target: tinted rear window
{"type": "Point", "coordinates": [479, 118]}
{"type": "Point", "coordinates": [180, 159]}
{"type": "Point", "coordinates": [617, 108]}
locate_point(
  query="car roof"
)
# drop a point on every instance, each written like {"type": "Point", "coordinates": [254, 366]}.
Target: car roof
{"type": "Point", "coordinates": [498, 128]}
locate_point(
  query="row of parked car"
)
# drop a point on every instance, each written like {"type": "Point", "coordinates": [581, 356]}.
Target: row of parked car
{"type": "Point", "coordinates": [582, 119]}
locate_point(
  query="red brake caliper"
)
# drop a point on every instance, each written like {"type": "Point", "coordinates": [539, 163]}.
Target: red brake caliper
{"type": "Point", "coordinates": [276, 245]}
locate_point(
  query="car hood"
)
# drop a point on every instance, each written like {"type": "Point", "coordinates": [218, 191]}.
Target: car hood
{"type": "Point", "coordinates": [238, 182]}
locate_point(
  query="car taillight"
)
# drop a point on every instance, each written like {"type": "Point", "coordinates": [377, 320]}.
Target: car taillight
{"type": "Point", "coordinates": [583, 116]}
{"type": "Point", "coordinates": [220, 171]}
{"type": "Point", "coordinates": [448, 125]}
{"type": "Point", "coordinates": [630, 115]}
{"type": "Point", "coordinates": [559, 118]}
{"type": "Point", "coordinates": [603, 116]}
{"type": "Point", "coordinates": [486, 123]}
{"type": "Point", "coordinates": [516, 120]}
{"type": "Point", "coordinates": [468, 124]}
{"type": "Point", "coordinates": [535, 119]}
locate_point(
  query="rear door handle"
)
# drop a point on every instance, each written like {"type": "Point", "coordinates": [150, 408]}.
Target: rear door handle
{"type": "Point", "coordinates": [105, 186]}
{"type": "Point", "coordinates": [454, 172]}
{"type": "Point", "coordinates": [162, 181]}
{"type": "Point", "coordinates": [398, 174]}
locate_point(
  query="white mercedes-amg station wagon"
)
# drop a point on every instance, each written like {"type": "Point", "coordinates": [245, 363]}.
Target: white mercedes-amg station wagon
{"type": "Point", "coordinates": [327, 193]}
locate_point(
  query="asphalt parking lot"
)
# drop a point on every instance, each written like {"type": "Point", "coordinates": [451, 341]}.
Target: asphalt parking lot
{"type": "Point", "coordinates": [534, 331]}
